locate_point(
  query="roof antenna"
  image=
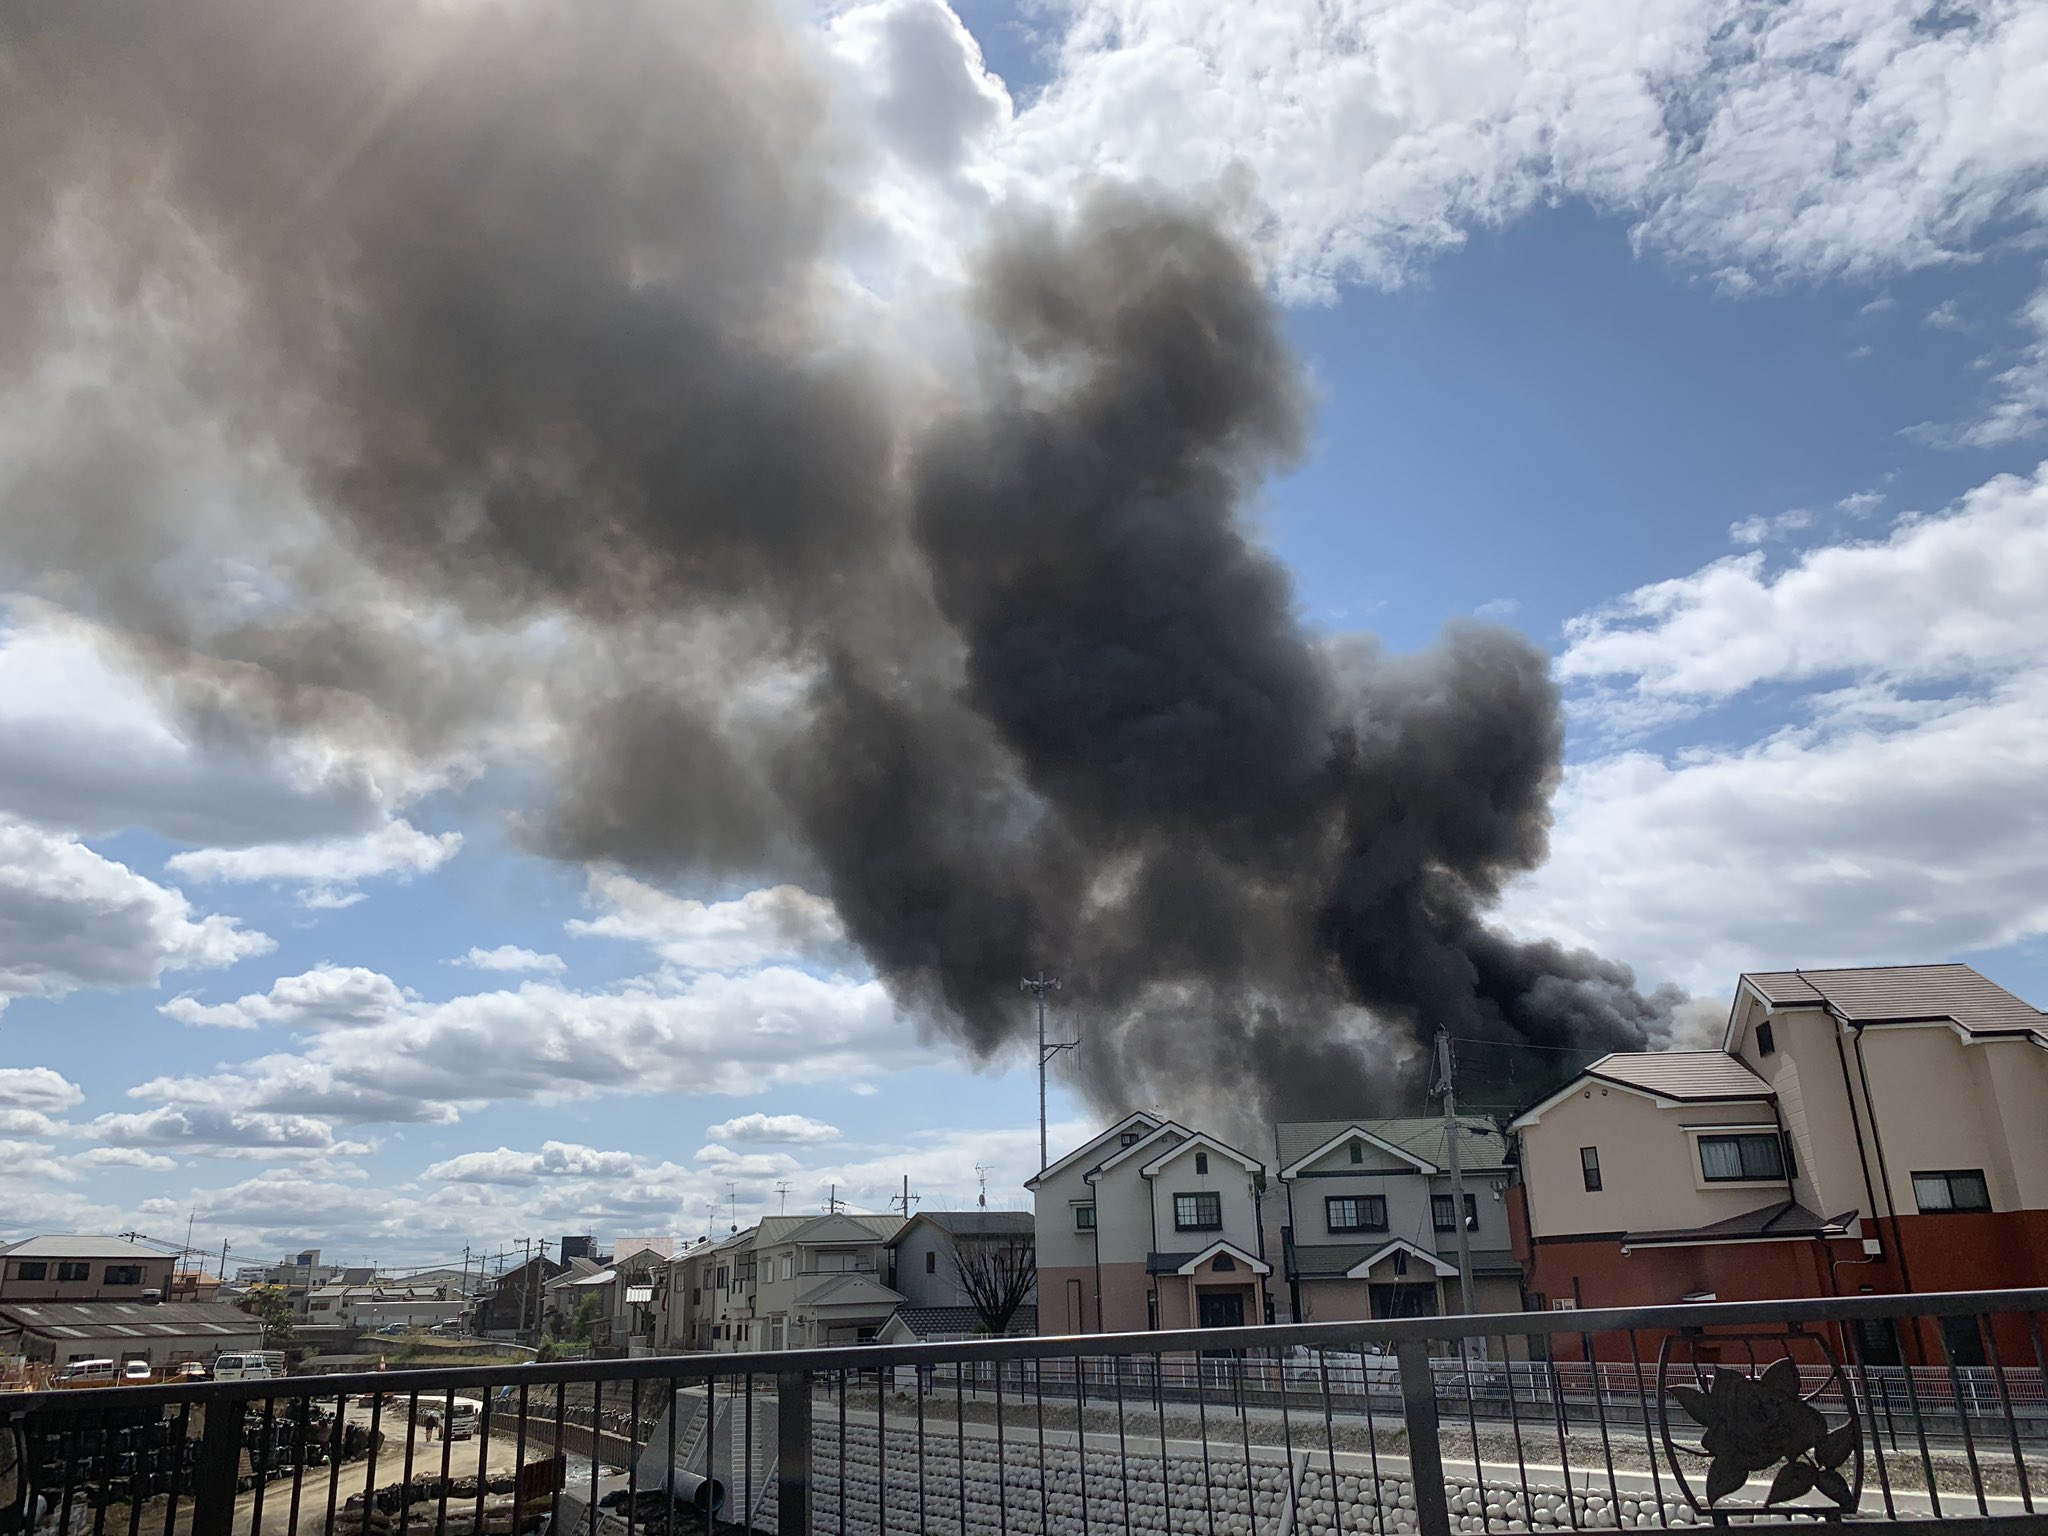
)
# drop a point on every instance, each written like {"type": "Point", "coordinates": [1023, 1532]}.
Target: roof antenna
{"type": "Point", "coordinates": [981, 1173]}
{"type": "Point", "coordinates": [782, 1197]}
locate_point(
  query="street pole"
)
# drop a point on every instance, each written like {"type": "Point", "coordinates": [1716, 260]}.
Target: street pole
{"type": "Point", "coordinates": [1046, 1052]}
{"type": "Point", "coordinates": [1453, 1134]}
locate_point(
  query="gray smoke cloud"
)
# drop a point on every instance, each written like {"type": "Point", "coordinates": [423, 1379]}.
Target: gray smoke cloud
{"type": "Point", "coordinates": [521, 330]}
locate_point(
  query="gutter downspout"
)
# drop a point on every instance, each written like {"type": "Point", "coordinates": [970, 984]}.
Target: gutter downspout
{"type": "Point", "coordinates": [1877, 1141]}
{"type": "Point", "coordinates": [1288, 1248]}
{"type": "Point", "coordinates": [1856, 1122]}
{"type": "Point", "coordinates": [1095, 1243]}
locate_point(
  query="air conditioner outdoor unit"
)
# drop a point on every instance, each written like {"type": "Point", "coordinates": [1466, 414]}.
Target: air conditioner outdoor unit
{"type": "Point", "coordinates": [1564, 1304]}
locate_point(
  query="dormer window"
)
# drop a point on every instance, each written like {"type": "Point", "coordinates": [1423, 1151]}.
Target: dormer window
{"type": "Point", "coordinates": [1128, 1139]}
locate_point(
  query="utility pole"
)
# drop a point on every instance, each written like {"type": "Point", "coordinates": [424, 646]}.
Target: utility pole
{"type": "Point", "coordinates": [906, 1199]}
{"type": "Point", "coordinates": [223, 1261]}
{"type": "Point", "coordinates": [1453, 1133]}
{"type": "Point", "coordinates": [832, 1201]}
{"type": "Point", "coordinates": [1046, 1050]}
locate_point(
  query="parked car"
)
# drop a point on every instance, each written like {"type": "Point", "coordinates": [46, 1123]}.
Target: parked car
{"type": "Point", "coordinates": [191, 1370]}
{"type": "Point", "coordinates": [86, 1373]}
{"type": "Point", "coordinates": [137, 1370]}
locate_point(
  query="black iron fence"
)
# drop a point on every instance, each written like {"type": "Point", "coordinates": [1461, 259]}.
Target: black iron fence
{"type": "Point", "coordinates": [1905, 1412]}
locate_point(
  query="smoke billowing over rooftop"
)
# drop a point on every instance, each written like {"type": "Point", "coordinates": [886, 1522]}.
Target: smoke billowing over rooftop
{"type": "Point", "coordinates": [450, 377]}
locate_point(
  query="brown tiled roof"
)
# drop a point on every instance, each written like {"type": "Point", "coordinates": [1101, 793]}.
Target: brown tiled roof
{"type": "Point", "coordinates": [1683, 1075]}
{"type": "Point", "coordinates": [1874, 993]}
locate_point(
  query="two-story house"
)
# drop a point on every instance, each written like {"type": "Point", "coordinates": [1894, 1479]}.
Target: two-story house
{"type": "Point", "coordinates": [941, 1256]}
{"type": "Point", "coordinates": [74, 1267]}
{"type": "Point", "coordinates": [1880, 1129]}
{"type": "Point", "coordinates": [821, 1280]}
{"type": "Point", "coordinates": [1150, 1225]}
{"type": "Point", "coordinates": [1372, 1222]}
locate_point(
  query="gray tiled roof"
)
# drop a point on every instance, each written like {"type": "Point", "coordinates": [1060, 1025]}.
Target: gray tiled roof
{"type": "Point", "coordinates": [131, 1320]}
{"type": "Point", "coordinates": [1876, 992]}
{"type": "Point", "coordinates": [926, 1322]}
{"type": "Point", "coordinates": [1684, 1075]}
{"type": "Point", "coordinates": [1786, 1218]}
{"type": "Point", "coordinates": [1420, 1136]}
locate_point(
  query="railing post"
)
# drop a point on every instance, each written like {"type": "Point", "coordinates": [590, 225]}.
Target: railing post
{"type": "Point", "coordinates": [792, 1452]}
{"type": "Point", "coordinates": [216, 1468]}
{"type": "Point", "coordinates": [1425, 1454]}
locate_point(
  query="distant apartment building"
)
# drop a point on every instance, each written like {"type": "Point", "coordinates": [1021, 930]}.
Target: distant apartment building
{"type": "Point", "coordinates": [1371, 1221]}
{"type": "Point", "coordinates": [1150, 1225]}
{"type": "Point", "coordinates": [1880, 1129]}
{"type": "Point", "coordinates": [77, 1267]}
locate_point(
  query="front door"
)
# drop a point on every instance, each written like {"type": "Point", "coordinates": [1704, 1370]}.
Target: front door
{"type": "Point", "coordinates": [1222, 1309]}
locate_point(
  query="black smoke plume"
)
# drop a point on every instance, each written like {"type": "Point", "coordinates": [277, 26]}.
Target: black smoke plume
{"type": "Point", "coordinates": [510, 342]}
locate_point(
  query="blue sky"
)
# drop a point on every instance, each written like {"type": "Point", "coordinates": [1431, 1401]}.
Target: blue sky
{"type": "Point", "coordinates": [1748, 435]}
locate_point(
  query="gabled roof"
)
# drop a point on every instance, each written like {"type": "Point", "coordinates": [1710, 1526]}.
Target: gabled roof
{"type": "Point", "coordinates": [972, 1224]}
{"type": "Point", "coordinates": [1669, 1077]}
{"type": "Point", "coordinates": [1189, 1263]}
{"type": "Point", "coordinates": [1785, 1220]}
{"type": "Point", "coordinates": [1416, 1136]}
{"type": "Point", "coordinates": [1355, 1130]}
{"type": "Point", "coordinates": [1875, 994]}
{"type": "Point", "coordinates": [1442, 1267]}
{"type": "Point", "coordinates": [1089, 1147]}
{"type": "Point", "coordinates": [847, 1290]}
{"type": "Point", "coordinates": [839, 1227]}
{"type": "Point", "coordinates": [1203, 1140]}
{"type": "Point", "coordinates": [1168, 1133]}
{"type": "Point", "coordinates": [80, 1245]}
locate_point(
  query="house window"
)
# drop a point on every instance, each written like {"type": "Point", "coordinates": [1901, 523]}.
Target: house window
{"type": "Point", "coordinates": [1128, 1139]}
{"type": "Point", "coordinates": [1198, 1213]}
{"type": "Point", "coordinates": [1766, 1043]}
{"type": "Point", "coordinates": [1963, 1190]}
{"type": "Point", "coordinates": [31, 1269]}
{"type": "Point", "coordinates": [1356, 1213]}
{"type": "Point", "coordinates": [1358, 1151]}
{"type": "Point", "coordinates": [1400, 1261]}
{"type": "Point", "coordinates": [1084, 1218]}
{"type": "Point", "coordinates": [1224, 1262]}
{"type": "Point", "coordinates": [73, 1269]}
{"type": "Point", "coordinates": [1589, 1166]}
{"type": "Point", "coordinates": [789, 1266]}
{"type": "Point", "coordinates": [1743, 1158]}
{"type": "Point", "coordinates": [1201, 1162]}
{"type": "Point", "coordinates": [1441, 1208]}
{"type": "Point", "coordinates": [931, 1261]}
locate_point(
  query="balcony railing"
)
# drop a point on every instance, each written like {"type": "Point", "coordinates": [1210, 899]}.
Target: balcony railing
{"type": "Point", "coordinates": [1764, 1415]}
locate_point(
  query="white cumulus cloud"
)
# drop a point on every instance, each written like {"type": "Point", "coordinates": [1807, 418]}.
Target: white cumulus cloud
{"type": "Point", "coordinates": [779, 922]}
{"type": "Point", "coordinates": [71, 918]}
{"type": "Point", "coordinates": [328, 869]}
{"type": "Point", "coordinates": [510, 957]}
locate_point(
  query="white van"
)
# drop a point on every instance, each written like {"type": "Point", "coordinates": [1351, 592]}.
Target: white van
{"type": "Point", "coordinates": [463, 1418]}
{"type": "Point", "coordinates": [251, 1365]}
{"type": "Point", "coordinates": [87, 1373]}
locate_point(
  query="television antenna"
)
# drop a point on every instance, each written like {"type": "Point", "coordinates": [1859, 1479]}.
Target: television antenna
{"type": "Point", "coordinates": [981, 1176]}
{"type": "Point", "coordinates": [782, 1197]}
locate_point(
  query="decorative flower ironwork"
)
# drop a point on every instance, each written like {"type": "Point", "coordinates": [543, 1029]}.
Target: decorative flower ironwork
{"type": "Point", "coordinates": [1754, 1423]}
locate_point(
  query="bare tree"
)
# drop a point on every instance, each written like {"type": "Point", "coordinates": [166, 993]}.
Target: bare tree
{"type": "Point", "coordinates": [997, 1273]}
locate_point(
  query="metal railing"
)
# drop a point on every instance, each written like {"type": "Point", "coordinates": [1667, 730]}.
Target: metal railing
{"type": "Point", "coordinates": [1762, 1414]}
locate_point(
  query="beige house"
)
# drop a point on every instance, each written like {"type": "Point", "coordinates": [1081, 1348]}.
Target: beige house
{"type": "Point", "coordinates": [1371, 1220]}
{"type": "Point", "coordinates": [1150, 1225]}
{"type": "Point", "coordinates": [1871, 1129]}
{"type": "Point", "coordinates": [790, 1282]}
{"type": "Point", "coordinates": [74, 1267]}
